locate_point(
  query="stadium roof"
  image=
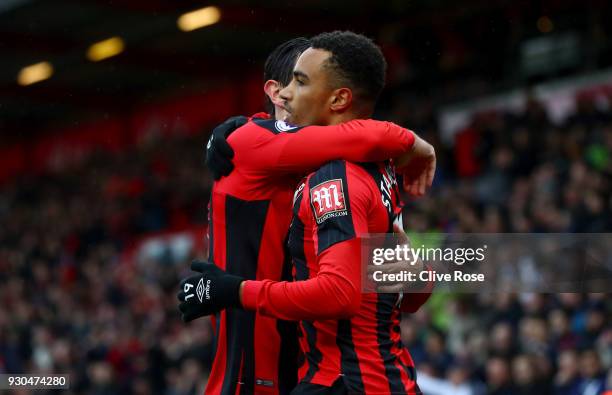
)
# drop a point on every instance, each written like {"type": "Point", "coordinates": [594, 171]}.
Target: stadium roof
{"type": "Point", "coordinates": [158, 58]}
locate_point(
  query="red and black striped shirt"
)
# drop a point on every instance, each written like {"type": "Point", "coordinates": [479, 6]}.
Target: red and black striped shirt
{"type": "Point", "coordinates": [249, 216]}
{"type": "Point", "coordinates": [345, 334]}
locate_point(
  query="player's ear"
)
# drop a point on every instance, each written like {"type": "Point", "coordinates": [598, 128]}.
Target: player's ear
{"type": "Point", "coordinates": [272, 89]}
{"type": "Point", "coordinates": [341, 99]}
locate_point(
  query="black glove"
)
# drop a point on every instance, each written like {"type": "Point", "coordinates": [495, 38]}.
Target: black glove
{"type": "Point", "coordinates": [219, 153]}
{"type": "Point", "coordinates": [208, 292]}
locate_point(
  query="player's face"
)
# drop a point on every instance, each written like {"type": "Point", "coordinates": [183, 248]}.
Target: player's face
{"type": "Point", "coordinates": [306, 99]}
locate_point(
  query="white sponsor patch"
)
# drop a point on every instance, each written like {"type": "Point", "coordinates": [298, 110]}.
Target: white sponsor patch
{"type": "Point", "coordinates": [327, 200]}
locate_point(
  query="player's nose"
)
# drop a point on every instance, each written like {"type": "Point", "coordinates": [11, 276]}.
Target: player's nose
{"type": "Point", "coordinates": [285, 93]}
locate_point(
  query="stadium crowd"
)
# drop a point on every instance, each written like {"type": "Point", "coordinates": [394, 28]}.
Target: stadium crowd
{"type": "Point", "coordinates": [71, 303]}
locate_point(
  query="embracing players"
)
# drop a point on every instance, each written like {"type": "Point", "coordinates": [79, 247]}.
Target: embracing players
{"type": "Point", "coordinates": [250, 214]}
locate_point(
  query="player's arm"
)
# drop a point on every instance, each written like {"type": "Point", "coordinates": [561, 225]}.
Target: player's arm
{"type": "Point", "coordinates": [299, 150]}
{"type": "Point", "coordinates": [333, 294]}
{"type": "Point", "coordinates": [280, 149]}
{"type": "Point", "coordinates": [310, 147]}
{"type": "Point", "coordinates": [418, 166]}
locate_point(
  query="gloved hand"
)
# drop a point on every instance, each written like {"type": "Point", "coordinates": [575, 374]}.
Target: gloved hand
{"type": "Point", "coordinates": [219, 153]}
{"type": "Point", "coordinates": [207, 292]}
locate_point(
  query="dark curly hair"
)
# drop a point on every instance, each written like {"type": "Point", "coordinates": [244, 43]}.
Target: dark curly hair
{"type": "Point", "coordinates": [356, 61]}
{"type": "Point", "coordinates": [279, 64]}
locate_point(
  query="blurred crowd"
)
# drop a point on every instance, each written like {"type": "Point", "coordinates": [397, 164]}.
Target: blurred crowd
{"type": "Point", "coordinates": [512, 344]}
{"type": "Point", "coordinates": [71, 303]}
{"type": "Point", "coordinates": [510, 172]}
{"type": "Point", "coordinates": [519, 173]}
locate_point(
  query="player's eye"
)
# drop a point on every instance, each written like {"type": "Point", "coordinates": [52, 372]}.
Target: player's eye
{"type": "Point", "coordinates": [299, 82]}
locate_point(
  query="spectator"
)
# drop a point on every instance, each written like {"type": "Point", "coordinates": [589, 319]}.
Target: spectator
{"type": "Point", "coordinates": [498, 377]}
{"type": "Point", "coordinates": [455, 383]}
{"type": "Point", "coordinates": [592, 378]}
{"type": "Point", "coordinates": [567, 379]}
{"type": "Point", "coordinates": [526, 377]}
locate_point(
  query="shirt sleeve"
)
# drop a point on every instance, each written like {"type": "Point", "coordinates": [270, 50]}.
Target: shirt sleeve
{"type": "Point", "coordinates": [302, 149]}
{"type": "Point", "coordinates": [335, 292]}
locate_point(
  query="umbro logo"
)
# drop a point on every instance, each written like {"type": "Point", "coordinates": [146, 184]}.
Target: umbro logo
{"type": "Point", "coordinates": [200, 289]}
{"type": "Point", "coordinates": [203, 291]}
